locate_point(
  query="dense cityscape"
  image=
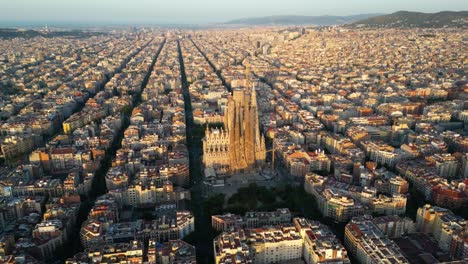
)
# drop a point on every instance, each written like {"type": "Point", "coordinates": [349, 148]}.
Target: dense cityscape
{"type": "Point", "coordinates": [271, 144]}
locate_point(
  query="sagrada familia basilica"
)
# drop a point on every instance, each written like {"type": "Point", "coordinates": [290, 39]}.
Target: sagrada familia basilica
{"type": "Point", "coordinates": [238, 147]}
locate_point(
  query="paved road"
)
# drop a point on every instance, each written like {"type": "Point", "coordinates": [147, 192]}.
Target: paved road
{"type": "Point", "coordinates": [202, 234]}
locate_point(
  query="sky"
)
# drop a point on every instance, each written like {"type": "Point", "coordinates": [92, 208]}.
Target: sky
{"type": "Point", "coordinates": [200, 11]}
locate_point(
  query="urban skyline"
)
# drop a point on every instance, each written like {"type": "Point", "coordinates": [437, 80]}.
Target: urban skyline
{"type": "Point", "coordinates": [121, 12]}
{"type": "Point", "coordinates": [318, 141]}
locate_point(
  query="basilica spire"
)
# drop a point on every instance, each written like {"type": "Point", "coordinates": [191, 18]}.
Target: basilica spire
{"type": "Point", "coordinates": [243, 147]}
{"type": "Point", "coordinates": [253, 98]}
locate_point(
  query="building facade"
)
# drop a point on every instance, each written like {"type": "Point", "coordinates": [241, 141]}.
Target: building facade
{"type": "Point", "coordinates": [368, 244]}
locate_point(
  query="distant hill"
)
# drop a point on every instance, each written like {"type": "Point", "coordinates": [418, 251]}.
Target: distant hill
{"type": "Point", "coordinates": [406, 19]}
{"type": "Point", "coordinates": [299, 20]}
{"type": "Point", "coordinates": [9, 33]}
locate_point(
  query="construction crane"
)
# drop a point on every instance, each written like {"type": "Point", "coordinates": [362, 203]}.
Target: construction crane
{"type": "Point", "coordinates": [272, 150]}
{"type": "Point", "coordinates": [247, 83]}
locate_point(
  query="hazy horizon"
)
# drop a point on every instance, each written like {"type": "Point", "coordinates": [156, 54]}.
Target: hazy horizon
{"type": "Point", "coordinates": [120, 12]}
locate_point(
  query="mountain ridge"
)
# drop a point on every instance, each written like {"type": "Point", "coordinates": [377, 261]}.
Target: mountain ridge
{"type": "Point", "coordinates": [409, 19]}
{"type": "Point", "coordinates": [325, 20]}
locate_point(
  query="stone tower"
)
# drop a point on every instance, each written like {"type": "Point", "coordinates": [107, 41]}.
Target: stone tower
{"type": "Point", "coordinates": [245, 149]}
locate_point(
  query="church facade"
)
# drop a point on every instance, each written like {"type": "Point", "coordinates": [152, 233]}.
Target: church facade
{"type": "Point", "coordinates": [238, 147]}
